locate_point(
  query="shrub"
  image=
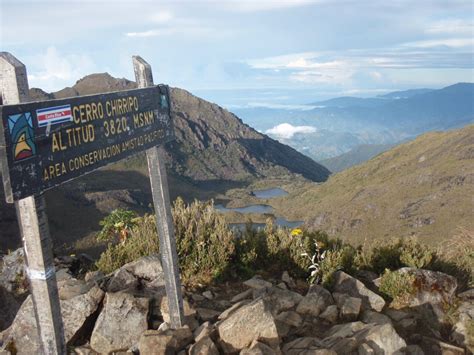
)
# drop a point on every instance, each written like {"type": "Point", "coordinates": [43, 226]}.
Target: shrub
{"type": "Point", "coordinates": [143, 240]}
{"type": "Point", "coordinates": [397, 285]}
{"type": "Point", "coordinates": [204, 241]}
{"type": "Point", "coordinates": [416, 255]}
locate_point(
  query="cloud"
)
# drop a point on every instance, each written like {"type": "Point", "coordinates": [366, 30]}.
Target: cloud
{"type": "Point", "coordinates": [451, 27]}
{"type": "Point", "coordinates": [447, 42]}
{"type": "Point", "coordinates": [54, 70]}
{"type": "Point", "coordinates": [287, 131]}
{"type": "Point", "coordinates": [263, 5]}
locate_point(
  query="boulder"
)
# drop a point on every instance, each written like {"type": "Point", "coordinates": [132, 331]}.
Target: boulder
{"type": "Point", "coordinates": [241, 296]}
{"type": "Point", "coordinates": [232, 309]}
{"type": "Point", "coordinates": [204, 346]}
{"type": "Point", "coordinates": [206, 314]}
{"type": "Point", "coordinates": [251, 322]}
{"type": "Point", "coordinates": [350, 309]}
{"type": "Point", "coordinates": [383, 339]}
{"type": "Point", "coordinates": [155, 342]}
{"type": "Point", "coordinates": [282, 300]}
{"type": "Point", "coordinates": [258, 348]}
{"type": "Point", "coordinates": [374, 317]}
{"type": "Point", "coordinates": [120, 324]}
{"type": "Point", "coordinates": [288, 280]}
{"type": "Point", "coordinates": [432, 287]}
{"type": "Point", "coordinates": [463, 330]}
{"type": "Point", "coordinates": [75, 311]}
{"type": "Point", "coordinates": [290, 318]}
{"type": "Point", "coordinates": [121, 280]}
{"type": "Point", "coordinates": [257, 283]}
{"type": "Point", "coordinates": [346, 284]}
{"type": "Point", "coordinates": [145, 272]}
{"type": "Point", "coordinates": [330, 314]}
{"type": "Point", "coordinates": [315, 302]}
{"type": "Point", "coordinates": [380, 339]}
{"type": "Point", "coordinates": [189, 313]}
{"type": "Point", "coordinates": [206, 329]}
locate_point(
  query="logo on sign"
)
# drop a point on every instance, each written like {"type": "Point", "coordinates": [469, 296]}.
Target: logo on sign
{"type": "Point", "coordinates": [22, 135]}
{"type": "Point", "coordinates": [53, 115]}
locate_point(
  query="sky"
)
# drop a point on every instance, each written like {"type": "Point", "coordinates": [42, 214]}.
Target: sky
{"type": "Point", "coordinates": [247, 53]}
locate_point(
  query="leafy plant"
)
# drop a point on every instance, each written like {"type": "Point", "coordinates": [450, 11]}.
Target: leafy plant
{"type": "Point", "coordinates": [396, 285]}
{"type": "Point", "coordinates": [117, 225]}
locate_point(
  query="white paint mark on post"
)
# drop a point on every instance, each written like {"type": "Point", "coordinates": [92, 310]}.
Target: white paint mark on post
{"type": "Point", "coordinates": [164, 219]}
{"type": "Point", "coordinates": [34, 228]}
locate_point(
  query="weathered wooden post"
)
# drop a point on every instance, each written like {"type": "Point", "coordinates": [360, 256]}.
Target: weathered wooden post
{"type": "Point", "coordinates": [164, 219]}
{"type": "Point", "coordinates": [34, 227]}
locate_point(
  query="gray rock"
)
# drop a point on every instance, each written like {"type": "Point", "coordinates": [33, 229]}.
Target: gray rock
{"type": "Point", "coordinates": [365, 349]}
{"type": "Point", "coordinates": [374, 317]}
{"type": "Point", "coordinates": [258, 348]}
{"type": "Point", "coordinates": [204, 346]}
{"type": "Point", "coordinates": [232, 309]}
{"type": "Point", "coordinates": [463, 329]}
{"type": "Point", "coordinates": [435, 346]}
{"type": "Point", "coordinates": [248, 323]}
{"type": "Point", "coordinates": [314, 303]}
{"type": "Point", "coordinates": [435, 288]}
{"type": "Point", "coordinates": [467, 295]}
{"type": "Point", "coordinates": [288, 280]}
{"type": "Point", "coordinates": [347, 284]}
{"type": "Point", "coordinates": [396, 314]}
{"type": "Point", "coordinates": [257, 283]}
{"type": "Point", "coordinates": [298, 345]}
{"type": "Point", "coordinates": [350, 309]}
{"type": "Point", "coordinates": [207, 314]}
{"type": "Point", "coordinates": [290, 318]}
{"type": "Point", "coordinates": [197, 298]}
{"type": "Point", "coordinates": [189, 313]}
{"type": "Point", "coordinates": [208, 295]}
{"type": "Point", "coordinates": [414, 350]}
{"type": "Point", "coordinates": [121, 280]}
{"type": "Point", "coordinates": [120, 324]}
{"type": "Point", "coordinates": [382, 339]}
{"type": "Point", "coordinates": [330, 314]}
{"type": "Point", "coordinates": [241, 296]}
{"type": "Point", "coordinates": [155, 342]}
{"type": "Point", "coordinates": [75, 311]}
{"type": "Point", "coordinates": [206, 329]}
{"type": "Point", "coordinates": [9, 306]}
{"type": "Point", "coordinates": [70, 288]}
{"type": "Point", "coordinates": [282, 300]}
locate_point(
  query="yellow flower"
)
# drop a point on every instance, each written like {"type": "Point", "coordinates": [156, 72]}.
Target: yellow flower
{"type": "Point", "coordinates": [296, 232]}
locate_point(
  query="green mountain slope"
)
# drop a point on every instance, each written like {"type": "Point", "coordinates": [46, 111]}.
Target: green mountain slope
{"type": "Point", "coordinates": [423, 188]}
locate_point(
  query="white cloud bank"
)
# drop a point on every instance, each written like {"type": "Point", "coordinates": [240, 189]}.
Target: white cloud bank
{"type": "Point", "coordinates": [287, 131]}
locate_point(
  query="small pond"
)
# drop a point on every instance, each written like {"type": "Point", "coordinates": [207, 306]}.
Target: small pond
{"type": "Point", "coordinates": [246, 209]}
{"type": "Point", "coordinates": [269, 193]}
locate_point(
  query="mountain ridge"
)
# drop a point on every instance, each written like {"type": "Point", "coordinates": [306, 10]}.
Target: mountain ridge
{"type": "Point", "coordinates": [422, 188]}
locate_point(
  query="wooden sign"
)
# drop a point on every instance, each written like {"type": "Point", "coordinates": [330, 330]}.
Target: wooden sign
{"type": "Point", "coordinates": [50, 142]}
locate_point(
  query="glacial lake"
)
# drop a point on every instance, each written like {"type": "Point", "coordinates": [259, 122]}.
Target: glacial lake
{"type": "Point", "coordinates": [270, 193]}
{"type": "Point", "coordinates": [246, 209]}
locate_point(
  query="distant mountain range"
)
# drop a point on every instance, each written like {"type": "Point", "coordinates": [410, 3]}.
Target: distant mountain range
{"type": "Point", "coordinates": [347, 122]}
{"type": "Point", "coordinates": [422, 188]}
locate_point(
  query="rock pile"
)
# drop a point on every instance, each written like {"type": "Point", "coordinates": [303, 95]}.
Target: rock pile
{"type": "Point", "coordinates": [127, 312]}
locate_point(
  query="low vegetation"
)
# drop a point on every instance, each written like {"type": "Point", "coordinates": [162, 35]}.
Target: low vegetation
{"type": "Point", "coordinates": [209, 250]}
